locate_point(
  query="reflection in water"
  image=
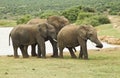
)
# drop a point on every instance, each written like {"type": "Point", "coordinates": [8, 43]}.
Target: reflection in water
{"type": "Point", "coordinates": [5, 49]}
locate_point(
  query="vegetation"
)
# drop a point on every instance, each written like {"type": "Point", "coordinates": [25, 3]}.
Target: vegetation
{"type": "Point", "coordinates": [7, 23]}
{"type": "Point", "coordinates": [92, 19]}
{"type": "Point", "coordinates": [101, 64]}
{"type": "Point", "coordinates": [11, 9]}
{"type": "Point", "coordinates": [24, 19]}
{"type": "Point", "coordinates": [108, 30]}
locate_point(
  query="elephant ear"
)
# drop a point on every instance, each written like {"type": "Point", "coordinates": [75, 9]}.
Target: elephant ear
{"type": "Point", "coordinates": [82, 31]}
{"type": "Point", "coordinates": [57, 21]}
{"type": "Point", "coordinates": [53, 20]}
{"type": "Point", "coordinates": [43, 29]}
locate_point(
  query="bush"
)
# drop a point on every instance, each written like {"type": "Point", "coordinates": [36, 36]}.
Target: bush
{"type": "Point", "coordinates": [46, 14]}
{"type": "Point", "coordinates": [103, 19]}
{"type": "Point", "coordinates": [72, 13]}
{"type": "Point", "coordinates": [88, 9]}
{"type": "Point", "coordinates": [83, 15]}
{"type": "Point", "coordinates": [24, 19]}
{"type": "Point", "coordinates": [93, 20]}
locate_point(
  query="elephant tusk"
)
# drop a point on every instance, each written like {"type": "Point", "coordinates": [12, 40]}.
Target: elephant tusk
{"type": "Point", "coordinates": [55, 40]}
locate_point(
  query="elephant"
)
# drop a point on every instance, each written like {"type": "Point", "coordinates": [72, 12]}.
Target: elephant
{"type": "Point", "coordinates": [24, 35]}
{"type": "Point", "coordinates": [35, 21]}
{"type": "Point", "coordinates": [71, 36]}
{"type": "Point", "coordinates": [58, 22]}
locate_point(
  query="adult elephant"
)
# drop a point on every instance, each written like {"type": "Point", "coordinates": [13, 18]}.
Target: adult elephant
{"type": "Point", "coordinates": [24, 35]}
{"type": "Point", "coordinates": [58, 22]}
{"type": "Point", "coordinates": [72, 36]}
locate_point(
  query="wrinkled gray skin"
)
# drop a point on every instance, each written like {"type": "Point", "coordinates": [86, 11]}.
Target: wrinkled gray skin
{"type": "Point", "coordinates": [58, 22]}
{"type": "Point", "coordinates": [24, 35]}
{"type": "Point", "coordinates": [72, 36]}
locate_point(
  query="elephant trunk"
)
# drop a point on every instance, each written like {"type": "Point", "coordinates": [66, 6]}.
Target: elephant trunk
{"type": "Point", "coordinates": [99, 45]}
{"type": "Point", "coordinates": [97, 42]}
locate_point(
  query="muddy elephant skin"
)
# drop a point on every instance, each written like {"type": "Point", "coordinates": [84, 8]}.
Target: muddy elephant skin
{"type": "Point", "coordinates": [71, 36]}
{"type": "Point", "coordinates": [58, 22]}
{"type": "Point", "coordinates": [24, 35]}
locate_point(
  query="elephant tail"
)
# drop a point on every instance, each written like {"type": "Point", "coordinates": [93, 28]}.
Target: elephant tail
{"type": "Point", "coordinates": [9, 39]}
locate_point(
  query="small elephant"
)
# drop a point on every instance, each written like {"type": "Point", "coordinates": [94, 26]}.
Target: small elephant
{"type": "Point", "coordinates": [58, 22]}
{"type": "Point", "coordinates": [24, 35]}
{"type": "Point", "coordinates": [71, 36]}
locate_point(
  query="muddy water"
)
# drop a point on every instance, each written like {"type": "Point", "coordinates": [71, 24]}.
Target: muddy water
{"type": "Point", "coordinates": [5, 49]}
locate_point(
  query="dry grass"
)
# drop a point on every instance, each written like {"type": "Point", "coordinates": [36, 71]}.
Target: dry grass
{"type": "Point", "coordinates": [101, 64]}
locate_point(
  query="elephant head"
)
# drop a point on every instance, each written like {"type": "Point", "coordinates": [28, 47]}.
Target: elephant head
{"type": "Point", "coordinates": [47, 31]}
{"type": "Point", "coordinates": [58, 22]}
{"type": "Point", "coordinates": [89, 32]}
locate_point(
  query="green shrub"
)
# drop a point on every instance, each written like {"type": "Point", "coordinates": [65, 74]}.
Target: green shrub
{"type": "Point", "coordinates": [24, 19]}
{"type": "Point", "coordinates": [88, 9]}
{"type": "Point", "coordinates": [48, 13]}
{"type": "Point", "coordinates": [93, 20]}
{"type": "Point", "coordinates": [72, 13]}
{"type": "Point", "coordinates": [83, 15]}
{"type": "Point", "coordinates": [103, 19]}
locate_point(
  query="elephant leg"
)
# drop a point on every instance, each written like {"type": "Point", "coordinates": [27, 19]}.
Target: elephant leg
{"type": "Point", "coordinates": [15, 51]}
{"type": "Point", "coordinates": [81, 53]}
{"type": "Point", "coordinates": [33, 50]}
{"type": "Point", "coordinates": [41, 43]}
{"type": "Point", "coordinates": [55, 49]}
{"type": "Point", "coordinates": [72, 53]}
{"type": "Point", "coordinates": [24, 54]}
{"type": "Point", "coordinates": [61, 51]}
{"type": "Point", "coordinates": [84, 50]}
{"type": "Point", "coordinates": [39, 52]}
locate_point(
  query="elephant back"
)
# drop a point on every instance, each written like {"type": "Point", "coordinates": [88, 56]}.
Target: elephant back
{"type": "Point", "coordinates": [36, 21]}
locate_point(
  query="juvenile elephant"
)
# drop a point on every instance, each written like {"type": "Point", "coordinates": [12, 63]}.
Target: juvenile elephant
{"type": "Point", "coordinates": [72, 36]}
{"type": "Point", "coordinates": [58, 22]}
{"type": "Point", "coordinates": [24, 35]}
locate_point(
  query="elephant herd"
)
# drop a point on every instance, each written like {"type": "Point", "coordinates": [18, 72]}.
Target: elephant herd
{"type": "Point", "coordinates": [58, 31]}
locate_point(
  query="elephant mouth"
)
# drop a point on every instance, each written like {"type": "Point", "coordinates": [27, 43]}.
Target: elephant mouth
{"type": "Point", "coordinates": [99, 46]}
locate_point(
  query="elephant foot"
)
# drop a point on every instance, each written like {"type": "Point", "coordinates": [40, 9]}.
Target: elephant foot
{"type": "Point", "coordinates": [34, 55]}
{"type": "Point", "coordinates": [80, 57]}
{"type": "Point", "coordinates": [60, 56]}
{"type": "Point", "coordinates": [74, 57]}
{"type": "Point", "coordinates": [86, 58]}
{"type": "Point", "coordinates": [26, 56]}
{"type": "Point", "coordinates": [43, 57]}
{"type": "Point", "coordinates": [54, 56]}
{"type": "Point", "coordinates": [38, 56]}
{"type": "Point", "coordinates": [16, 56]}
